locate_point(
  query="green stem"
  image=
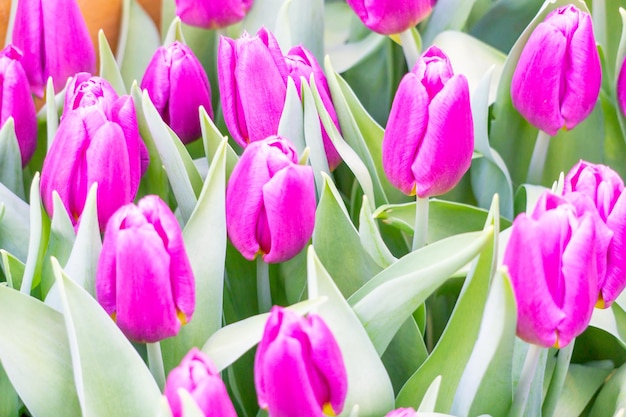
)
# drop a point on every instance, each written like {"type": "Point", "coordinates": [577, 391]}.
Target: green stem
{"type": "Point", "coordinates": [264, 295]}
{"type": "Point", "coordinates": [409, 47]}
{"type": "Point", "coordinates": [558, 379]}
{"type": "Point", "coordinates": [538, 159]}
{"type": "Point", "coordinates": [155, 363]}
{"type": "Point", "coordinates": [525, 381]}
{"type": "Point", "coordinates": [420, 231]}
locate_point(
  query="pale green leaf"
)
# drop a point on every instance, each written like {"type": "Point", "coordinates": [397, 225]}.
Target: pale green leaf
{"type": "Point", "coordinates": [38, 238]}
{"type": "Point", "coordinates": [13, 269]}
{"type": "Point", "coordinates": [14, 224]}
{"type": "Point", "coordinates": [447, 15]}
{"type": "Point", "coordinates": [581, 383]}
{"type": "Point", "coordinates": [429, 402]}
{"type": "Point", "coordinates": [371, 238]}
{"type": "Point", "coordinates": [313, 133]}
{"type": "Point", "coordinates": [212, 140]}
{"type": "Point", "coordinates": [291, 125]}
{"type": "Point", "coordinates": [108, 66]}
{"type": "Point", "coordinates": [11, 167]}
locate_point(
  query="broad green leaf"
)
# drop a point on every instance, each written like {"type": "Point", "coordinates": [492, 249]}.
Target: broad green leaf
{"type": "Point", "coordinates": [110, 376]}
{"type": "Point", "coordinates": [486, 384]}
{"type": "Point", "coordinates": [36, 356]}
{"type": "Point", "coordinates": [338, 245]}
{"type": "Point", "coordinates": [453, 350]}
{"type": "Point", "coordinates": [108, 66]}
{"type": "Point", "coordinates": [10, 404]}
{"type": "Point", "coordinates": [305, 23]}
{"type": "Point", "coordinates": [371, 239]}
{"type": "Point", "coordinates": [14, 224]}
{"type": "Point", "coordinates": [262, 13]}
{"type": "Point", "coordinates": [139, 39]}
{"type": "Point", "coordinates": [612, 320]}
{"type": "Point", "coordinates": [447, 15]}
{"type": "Point", "coordinates": [291, 125]}
{"type": "Point", "coordinates": [581, 383]}
{"type": "Point", "coordinates": [227, 344]}
{"type": "Point", "coordinates": [313, 134]}
{"type": "Point", "coordinates": [368, 382]}
{"type": "Point", "coordinates": [52, 113]}
{"type": "Point", "coordinates": [13, 269]}
{"type": "Point", "coordinates": [612, 396]}
{"type": "Point", "coordinates": [212, 140]}
{"type": "Point", "coordinates": [429, 402]}
{"type": "Point", "coordinates": [205, 241]}
{"type": "Point", "coordinates": [346, 55]}
{"type": "Point", "coordinates": [11, 167]}
{"type": "Point", "coordinates": [174, 32]}
{"type": "Point", "coordinates": [38, 239]}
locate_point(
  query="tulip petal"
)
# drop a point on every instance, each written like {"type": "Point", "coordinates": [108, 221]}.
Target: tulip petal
{"type": "Point", "coordinates": [289, 201]}
{"type": "Point", "coordinates": [212, 15]}
{"type": "Point", "coordinates": [27, 36]}
{"type": "Point", "coordinates": [123, 113]}
{"type": "Point", "coordinates": [145, 308]}
{"type": "Point", "coordinates": [389, 17]}
{"type": "Point", "coordinates": [404, 133]}
{"type": "Point", "coordinates": [228, 86]}
{"type": "Point", "coordinates": [445, 153]}
{"type": "Point", "coordinates": [156, 76]}
{"type": "Point", "coordinates": [212, 398]}
{"type": "Point", "coordinates": [615, 280]}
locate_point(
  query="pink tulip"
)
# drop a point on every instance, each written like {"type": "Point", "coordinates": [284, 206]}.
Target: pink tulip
{"type": "Point", "coordinates": [144, 279]}
{"type": "Point", "coordinates": [85, 90]}
{"type": "Point", "coordinates": [54, 38]}
{"type": "Point", "coordinates": [552, 261]}
{"type": "Point", "coordinates": [212, 14]}
{"type": "Point", "coordinates": [298, 368]}
{"type": "Point", "coordinates": [178, 86]}
{"type": "Point", "coordinates": [605, 189]}
{"type": "Point", "coordinates": [17, 101]}
{"type": "Point", "coordinates": [197, 375]}
{"type": "Point", "coordinates": [391, 16]}
{"type": "Point", "coordinates": [429, 140]}
{"type": "Point", "coordinates": [621, 88]}
{"type": "Point", "coordinates": [557, 79]}
{"type": "Point", "coordinates": [270, 202]}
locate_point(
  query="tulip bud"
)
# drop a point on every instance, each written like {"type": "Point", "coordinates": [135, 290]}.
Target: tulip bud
{"type": "Point", "coordinates": [391, 17]}
{"type": "Point", "coordinates": [144, 279]}
{"type": "Point", "coordinates": [552, 261]}
{"type": "Point", "coordinates": [402, 412]}
{"type": "Point", "coordinates": [298, 368]}
{"type": "Point", "coordinates": [605, 189]}
{"type": "Point", "coordinates": [197, 375]}
{"type": "Point", "coordinates": [429, 140]}
{"type": "Point", "coordinates": [178, 86]}
{"type": "Point", "coordinates": [621, 88]}
{"type": "Point", "coordinates": [86, 90]}
{"type": "Point", "coordinates": [270, 201]}
{"type": "Point", "coordinates": [17, 101]}
{"type": "Point", "coordinates": [252, 81]}
{"type": "Point", "coordinates": [212, 14]}
{"type": "Point", "coordinates": [557, 79]}
{"type": "Point", "coordinates": [302, 64]}
{"type": "Point", "coordinates": [95, 143]}
{"type": "Point", "coordinates": [55, 41]}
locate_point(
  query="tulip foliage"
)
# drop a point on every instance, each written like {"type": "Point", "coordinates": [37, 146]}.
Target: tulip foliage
{"type": "Point", "coordinates": [314, 208]}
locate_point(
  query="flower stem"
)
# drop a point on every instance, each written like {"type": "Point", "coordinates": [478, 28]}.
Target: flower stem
{"type": "Point", "coordinates": [558, 379]}
{"type": "Point", "coordinates": [538, 159]}
{"type": "Point", "coordinates": [264, 295]}
{"type": "Point", "coordinates": [409, 47]}
{"type": "Point", "coordinates": [155, 363]}
{"type": "Point", "coordinates": [420, 231]}
{"type": "Point", "coordinates": [525, 381]}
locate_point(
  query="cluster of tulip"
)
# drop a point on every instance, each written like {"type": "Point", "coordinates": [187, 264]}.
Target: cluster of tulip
{"type": "Point", "coordinates": [125, 206]}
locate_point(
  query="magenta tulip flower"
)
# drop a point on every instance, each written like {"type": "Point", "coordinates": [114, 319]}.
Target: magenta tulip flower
{"type": "Point", "coordinates": [54, 38]}
{"type": "Point", "coordinates": [302, 64]}
{"type": "Point", "coordinates": [144, 279]}
{"type": "Point", "coordinates": [605, 189]}
{"type": "Point", "coordinates": [95, 143]}
{"type": "Point", "coordinates": [17, 101]}
{"type": "Point", "coordinates": [402, 412]}
{"type": "Point", "coordinates": [270, 201]}
{"type": "Point", "coordinates": [85, 90]}
{"type": "Point", "coordinates": [389, 17]}
{"type": "Point", "coordinates": [557, 79]}
{"type": "Point", "coordinates": [621, 88]}
{"type": "Point", "coordinates": [252, 81]}
{"type": "Point", "coordinates": [429, 140]}
{"type": "Point", "coordinates": [197, 375]}
{"type": "Point", "coordinates": [178, 86]}
{"type": "Point", "coordinates": [298, 368]}
{"type": "Point", "coordinates": [551, 258]}
{"type": "Point", "coordinates": [212, 14]}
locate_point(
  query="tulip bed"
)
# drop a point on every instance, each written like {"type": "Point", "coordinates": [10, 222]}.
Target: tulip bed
{"type": "Point", "coordinates": [313, 208]}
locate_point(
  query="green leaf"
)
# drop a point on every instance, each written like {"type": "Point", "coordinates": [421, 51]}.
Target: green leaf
{"type": "Point", "coordinates": [612, 397]}
{"type": "Point", "coordinates": [304, 24]}
{"type": "Point", "coordinates": [581, 383]}
{"type": "Point", "coordinates": [338, 244]}
{"type": "Point", "coordinates": [36, 356]}
{"type": "Point", "coordinates": [108, 66]}
{"type": "Point", "coordinates": [371, 239]}
{"type": "Point", "coordinates": [190, 407]}
{"type": "Point", "coordinates": [110, 376]}
{"type": "Point", "coordinates": [13, 269]}
{"type": "Point", "coordinates": [139, 39]}
{"type": "Point", "coordinates": [10, 404]}
{"type": "Point", "coordinates": [205, 241]}
{"type": "Point", "coordinates": [38, 239]}
{"type": "Point", "coordinates": [313, 133]}
{"type": "Point", "coordinates": [212, 140]}
{"type": "Point", "coordinates": [174, 32]}
{"type": "Point", "coordinates": [291, 125]}
{"type": "Point", "coordinates": [447, 15]}
{"type": "Point", "coordinates": [14, 224]}
{"type": "Point", "coordinates": [11, 167]}
{"type": "Point", "coordinates": [612, 320]}
{"type": "Point", "coordinates": [453, 351]}
{"type": "Point", "coordinates": [368, 382]}
{"type": "Point", "coordinates": [429, 402]}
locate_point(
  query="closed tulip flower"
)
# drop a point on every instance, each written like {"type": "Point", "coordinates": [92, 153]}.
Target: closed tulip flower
{"type": "Point", "coordinates": [605, 189]}
{"type": "Point", "coordinates": [17, 101]}
{"type": "Point", "coordinates": [212, 14]}
{"type": "Point", "coordinates": [298, 368]}
{"type": "Point", "coordinates": [85, 90]}
{"type": "Point", "coordinates": [197, 375]}
{"type": "Point", "coordinates": [557, 79]}
{"type": "Point", "coordinates": [621, 88]}
{"type": "Point", "coordinates": [391, 16]}
{"type": "Point", "coordinates": [144, 279]}
{"type": "Point", "coordinates": [270, 202]}
{"type": "Point", "coordinates": [178, 86]}
{"type": "Point", "coordinates": [252, 81]}
{"type": "Point", "coordinates": [429, 139]}
{"type": "Point", "coordinates": [55, 41]}
{"type": "Point", "coordinates": [95, 143]}
{"type": "Point", "coordinates": [552, 261]}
